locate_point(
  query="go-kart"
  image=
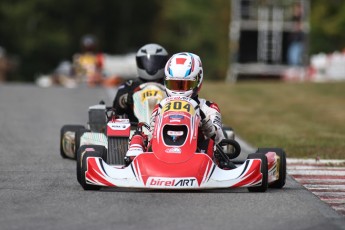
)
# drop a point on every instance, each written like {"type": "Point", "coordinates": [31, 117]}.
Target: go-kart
{"type": "Point", "coordinates": [174, 160]}
{"type": "Point", "coordinates": [145, 97]}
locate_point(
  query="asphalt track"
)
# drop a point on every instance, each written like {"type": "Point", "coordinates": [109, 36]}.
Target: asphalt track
{"type": "Point", "coordinates": [39, 190]}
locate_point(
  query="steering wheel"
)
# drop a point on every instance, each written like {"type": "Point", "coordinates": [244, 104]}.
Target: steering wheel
{"type": "Point", "coordinates": [235, 144]}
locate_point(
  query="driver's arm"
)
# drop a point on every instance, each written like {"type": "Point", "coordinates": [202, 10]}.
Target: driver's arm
{"type": "Point", "coordinates": [212, 121]}
{"type": "Point", "coordinates": [121, 103]}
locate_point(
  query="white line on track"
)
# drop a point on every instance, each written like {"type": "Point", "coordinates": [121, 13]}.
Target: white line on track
{"type": "Point", "coordinates": [316, 167]}
{"type": "Point", "coordinates": [314, 161]}
{"type": "Point", "coordinates": [317, 172]}
{"type": "Point", "coordinates": [324, 178]}
{"type": "Point", "coordinates": [326, 186]}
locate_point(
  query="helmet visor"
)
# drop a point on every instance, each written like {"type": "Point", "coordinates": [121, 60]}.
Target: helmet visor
{"type": "Point", "coordinates": [180, 85]}
{"type": "Point", "coordinates": [151, 63]}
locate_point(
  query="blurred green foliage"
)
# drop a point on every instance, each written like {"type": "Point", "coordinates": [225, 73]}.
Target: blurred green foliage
{"type": "Point", "coordinates": [41, 33]}
{"type": "Point", "coordinates": [199, 27]}
{"type": "Point", "coordinates": [327, 20]}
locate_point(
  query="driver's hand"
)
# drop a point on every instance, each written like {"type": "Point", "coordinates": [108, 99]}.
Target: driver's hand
{"type": "Point", "coordinates": [208, 129]}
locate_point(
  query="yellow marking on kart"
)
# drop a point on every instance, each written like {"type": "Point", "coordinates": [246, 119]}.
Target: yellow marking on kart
{"type": "Point", "coordinates": [146, 94]}
{"type": "Point", "coordinates": [181, 106]}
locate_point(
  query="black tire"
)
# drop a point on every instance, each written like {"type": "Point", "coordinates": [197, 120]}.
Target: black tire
{"type": "Point", "coordinates": [281, 167]}
{"type": "Point", "coordinates": [117, 149]}
{"type": "Point", "coordinates": [225, 129]}
{"type": "Point", "coordinates": [99, 148]}
{"type": "Point", "coordinates": [83, 169]}
{"type": "Point", "coordinates": [264, 170]}
{"type": "Point", "coordinates": [63, 130]}
{"type": "Point", "coordinates": [78, 135]}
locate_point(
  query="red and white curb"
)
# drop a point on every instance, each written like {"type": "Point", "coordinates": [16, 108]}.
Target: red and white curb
{"type": "Point", "coordinates": [324, 178]}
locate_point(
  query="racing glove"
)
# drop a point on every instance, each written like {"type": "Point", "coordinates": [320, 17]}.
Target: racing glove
{"type": "Point", "coordinates": [208, 129]}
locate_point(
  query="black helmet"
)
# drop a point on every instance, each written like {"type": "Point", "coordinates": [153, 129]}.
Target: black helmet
{"type": "Point", "coordinates": [151, 59]}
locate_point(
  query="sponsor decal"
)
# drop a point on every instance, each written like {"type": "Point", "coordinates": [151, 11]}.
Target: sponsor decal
{"type": "Point", "coordinates": [217, 121]}
{"type": "Point", "coordinates": [189, 182]}
{"type": "Point", "coordinates": [122, 120]}
{"type": "Point", "coordinates": [118, 126]}
{"type": "Point", "coordinates": [175, 133]}
{"type": "Point", "coordinates": [173, 150]}
{"type": "Point", "coordinates": [173, 98]}
{"type": "Point", "coordinates": [176, 116]}
{"type": "Point", "coordinates": [135, 149]}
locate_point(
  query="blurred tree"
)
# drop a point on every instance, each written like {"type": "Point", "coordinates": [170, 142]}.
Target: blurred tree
{"type": "Point", "coordinates": [199, 27]}
{"type": "Point", "coordinates": [327, 26]}
{"type": "Point", "coordinates": [44, 32]}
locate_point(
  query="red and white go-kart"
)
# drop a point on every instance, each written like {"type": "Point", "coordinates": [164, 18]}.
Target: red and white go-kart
{"type": "Point", "coordinates": [174, 161]}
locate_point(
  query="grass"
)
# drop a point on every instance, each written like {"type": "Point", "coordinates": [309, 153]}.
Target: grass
{"type": "Point", "coordinates": [306, 119]}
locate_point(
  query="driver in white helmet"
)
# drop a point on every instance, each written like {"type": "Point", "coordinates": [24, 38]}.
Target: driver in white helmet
{"type": "Point", "coordinates": [150, 60]}
{"type": "Point", "coordinates": [183, 77]}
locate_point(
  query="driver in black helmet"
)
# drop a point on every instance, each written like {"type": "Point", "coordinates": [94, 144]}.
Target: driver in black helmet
{"type": "Point", "coordinates": [151, 60]}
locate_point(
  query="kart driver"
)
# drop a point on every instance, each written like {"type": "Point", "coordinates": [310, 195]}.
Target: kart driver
{"type": "Point", "coordinates": [88, 65]}
{"type": "Point", "coordinates": [150, 59]}
{"type": "Point", "coordinates": [183, 77]}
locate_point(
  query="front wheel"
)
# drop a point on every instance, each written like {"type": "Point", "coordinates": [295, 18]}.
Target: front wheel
{"type": "Point", "coordinates": [281, 166]}
{"type": "Point", "coordinates": [264, 170]}
{"type": "Point", "coordinates": [82, 150]}
{"type": "Point", "coordinates": [78, 135]}
{"type": "Point", "coordinates": [83, 169]}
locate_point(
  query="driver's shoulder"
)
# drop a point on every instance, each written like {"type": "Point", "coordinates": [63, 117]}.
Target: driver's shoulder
{"type": "Point", "coordinates": [130, 84]}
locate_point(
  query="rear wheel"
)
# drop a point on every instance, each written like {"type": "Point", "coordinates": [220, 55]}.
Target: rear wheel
{"type": "Point", "coordinates": [83, 170]}
{"type": "Point", "coordinates": [64, 129]}
{"type": "Point", "coordinates": [117, 149]}
{"type": "Point", "coordinates": [81, 151]}
{"type": "Point", "coordinates": [264, 170]}
{"type": "Point", "coordinates": [281, 166]}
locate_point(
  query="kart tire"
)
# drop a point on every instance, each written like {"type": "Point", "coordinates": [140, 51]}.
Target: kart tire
{"type": "Point", "coordinates": [78, 135]}
{"type": "Point", "coordinates": [63, 130]}
{"type": "Point", "coordinates": [282, 166]}
{"type": "Point", "coordinates": [264, 170]}
{"type": "Point", "coordinates": [81, 151]}
{"type": "Point", "coordinates": [226, 130]}
{"type": "Point", "coordinates": [83, 170]}
{"type": "Point", "coordinates": [117, 149]}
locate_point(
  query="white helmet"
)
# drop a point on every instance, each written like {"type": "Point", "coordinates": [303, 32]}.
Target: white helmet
{"type": "Point", "coordinates": [183, 75]}
{"type": "Point", "coordinates": [151, 59]}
